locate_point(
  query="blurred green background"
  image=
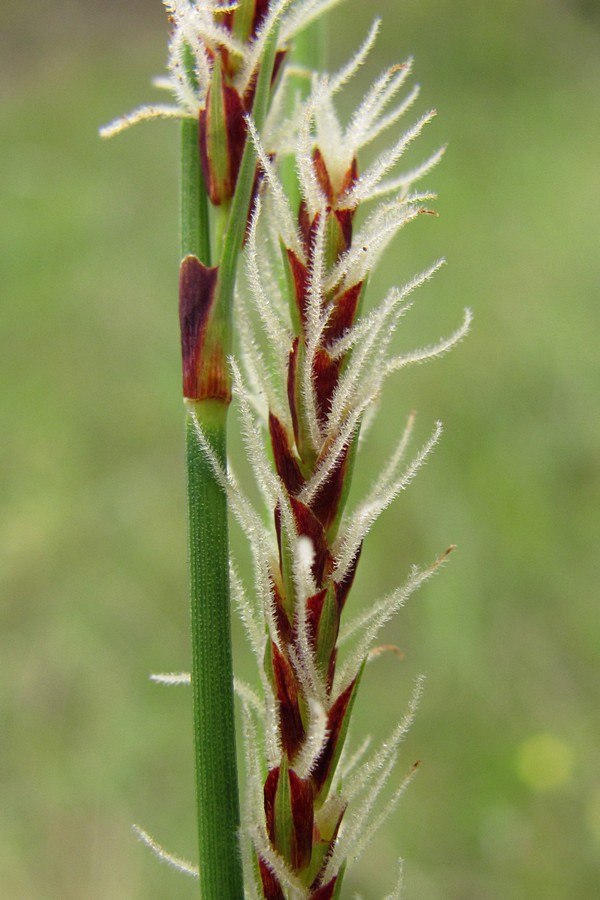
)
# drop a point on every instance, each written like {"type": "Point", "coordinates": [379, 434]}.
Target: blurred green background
{"type": "Point", "coordinates": [92, 548]}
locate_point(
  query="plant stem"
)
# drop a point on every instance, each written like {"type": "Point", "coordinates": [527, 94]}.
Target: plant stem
{"type": "Point", "coordinates": [212, 676]}
{"type": "Point", "coordinates": [195, 228]}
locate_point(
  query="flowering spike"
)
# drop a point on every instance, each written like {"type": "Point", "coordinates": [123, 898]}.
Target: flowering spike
{"type": "Point", "coordinates": [314, 367]}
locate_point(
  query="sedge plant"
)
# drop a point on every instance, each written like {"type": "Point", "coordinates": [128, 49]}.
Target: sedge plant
{"type": "Point", "coordinates": [275, 264]}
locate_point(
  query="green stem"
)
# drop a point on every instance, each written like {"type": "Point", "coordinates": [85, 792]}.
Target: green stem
{"type": "Point", "coordinates": [212, 675]}
{"type": "Point", "coordinates": [217, 801]}
{"type": "Point", "coordinates": [195, 228]}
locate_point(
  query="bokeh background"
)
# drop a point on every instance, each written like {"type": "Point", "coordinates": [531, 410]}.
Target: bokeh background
{"type": "Point", "coordinates": [92, 544]}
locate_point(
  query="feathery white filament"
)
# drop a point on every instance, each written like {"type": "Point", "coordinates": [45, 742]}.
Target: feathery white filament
{"type": "Point", "coordinates": [371, 338]}
{"type": "Point", "coordinates": [275, 330]}
{"type": "Point", "coordinates": [397, 889]}
{"type": "Point", "coordinates": [331, 458]}
{"type": "Point", "coordinates": [285, 219]}
{"type": "Point", "coordinates": [370, 242]}
{"type": "Point", "coordinates": [141, 114]}
{"type": "Point", "coordinates": [176, 862]}
{"type": "Point", "coordinates": [267, 481]}
{"type": "Point", "coordinates": [360, 191]}
{"type": "Point", "coordinates": [262, 546]}
{"type": "Point", "coordinates": [356, 526]}
{"type": "Point", "coordinates": [371, 621]}
{"type": "Point", "coordinates": [249, 697]}
{"type": "Point", "coordinates": [365, 831]}
{"type": "Point", "coordinates": [265, 388]}
{"type": "Point", "coordinates": [171, 678]}
{"type": "Point", "coordinates": [402, 182]}
{"type": "Point", "coordinates": [301, 14]}
{"type": "Point", "coordinates": [343, 75]}
{"type": "Point", "coordinates": [390, 470]}
{"type": "Point", "coordinates": [435, 350]}
{"type": "Point", "coordinates": [316, 321]}
{"type": "Point", "coordinates": [363, 127]}
{"type": "Point", "coordinates": [345, 766]}
{"type": "Point", "coordinates": [311, 189]}
{"type": "Point", "coordinates": [368, 782]}
{"type": "Point", "coordinates": [253, 619]}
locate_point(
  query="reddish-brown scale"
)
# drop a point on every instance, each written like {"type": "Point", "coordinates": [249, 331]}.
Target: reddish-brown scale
{"type": "Point", "coordinates": [345, 218]}
{"type": "Point", "coordinates": [235, 132]}
{"type": "Point", "coordinates": [261, 8]}
{"type": "Point", "coordinates": [248, 98]}
{"type": "Point", "coordinates": [291, 387]}
{"type": "Point", "coordinates": [325, 503]}
{"type": "Point", "coordinates": [335, 721]}
{"type": "Point", "coordinates": [325, 892]}
{"type": "Point", "coordinates": [301, 792]}
{"type": "Point", "coordinates": [312, 231]}
{"type": "Point", "coordinates": [291, 727]}
{"type": "Point", "coordinates": [343, 313]}
{"type": "Point", "coordinates": [286, 463]}
{"type": "Point", "coordinates": [325, 378]}
{"type": "Point", "coordinates": [304, 224]}
{"type": "Point", "coordinates": [197, 284]}
{"type": "Point", "coordinates": [269, 791]}
{"type": "Point", "coordinates": [342, 588]}
{"type": "Point", "coordinates": [314, 609]}
{"type": "Point", "coordinates": [349, 178]}
{"type": "Point", "coordinates": [299, 276]}
{"type": "Point", "coordinates": [270, 883]}
{"type": "Point", "coordinates": [308, 525]}
{"type": "Point", "coordinates": [323, 175]}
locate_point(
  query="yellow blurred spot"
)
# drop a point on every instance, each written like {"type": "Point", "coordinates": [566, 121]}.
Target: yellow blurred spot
{"type": "Point", "coordinates": [545, 762]}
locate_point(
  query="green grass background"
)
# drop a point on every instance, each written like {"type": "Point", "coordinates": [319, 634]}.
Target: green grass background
{"type": "Point", "coordinates": [92, 533]}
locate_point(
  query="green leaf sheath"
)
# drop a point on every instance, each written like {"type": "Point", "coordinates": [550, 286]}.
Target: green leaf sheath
{"type": "Point", "coordinates": [212, 676]}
